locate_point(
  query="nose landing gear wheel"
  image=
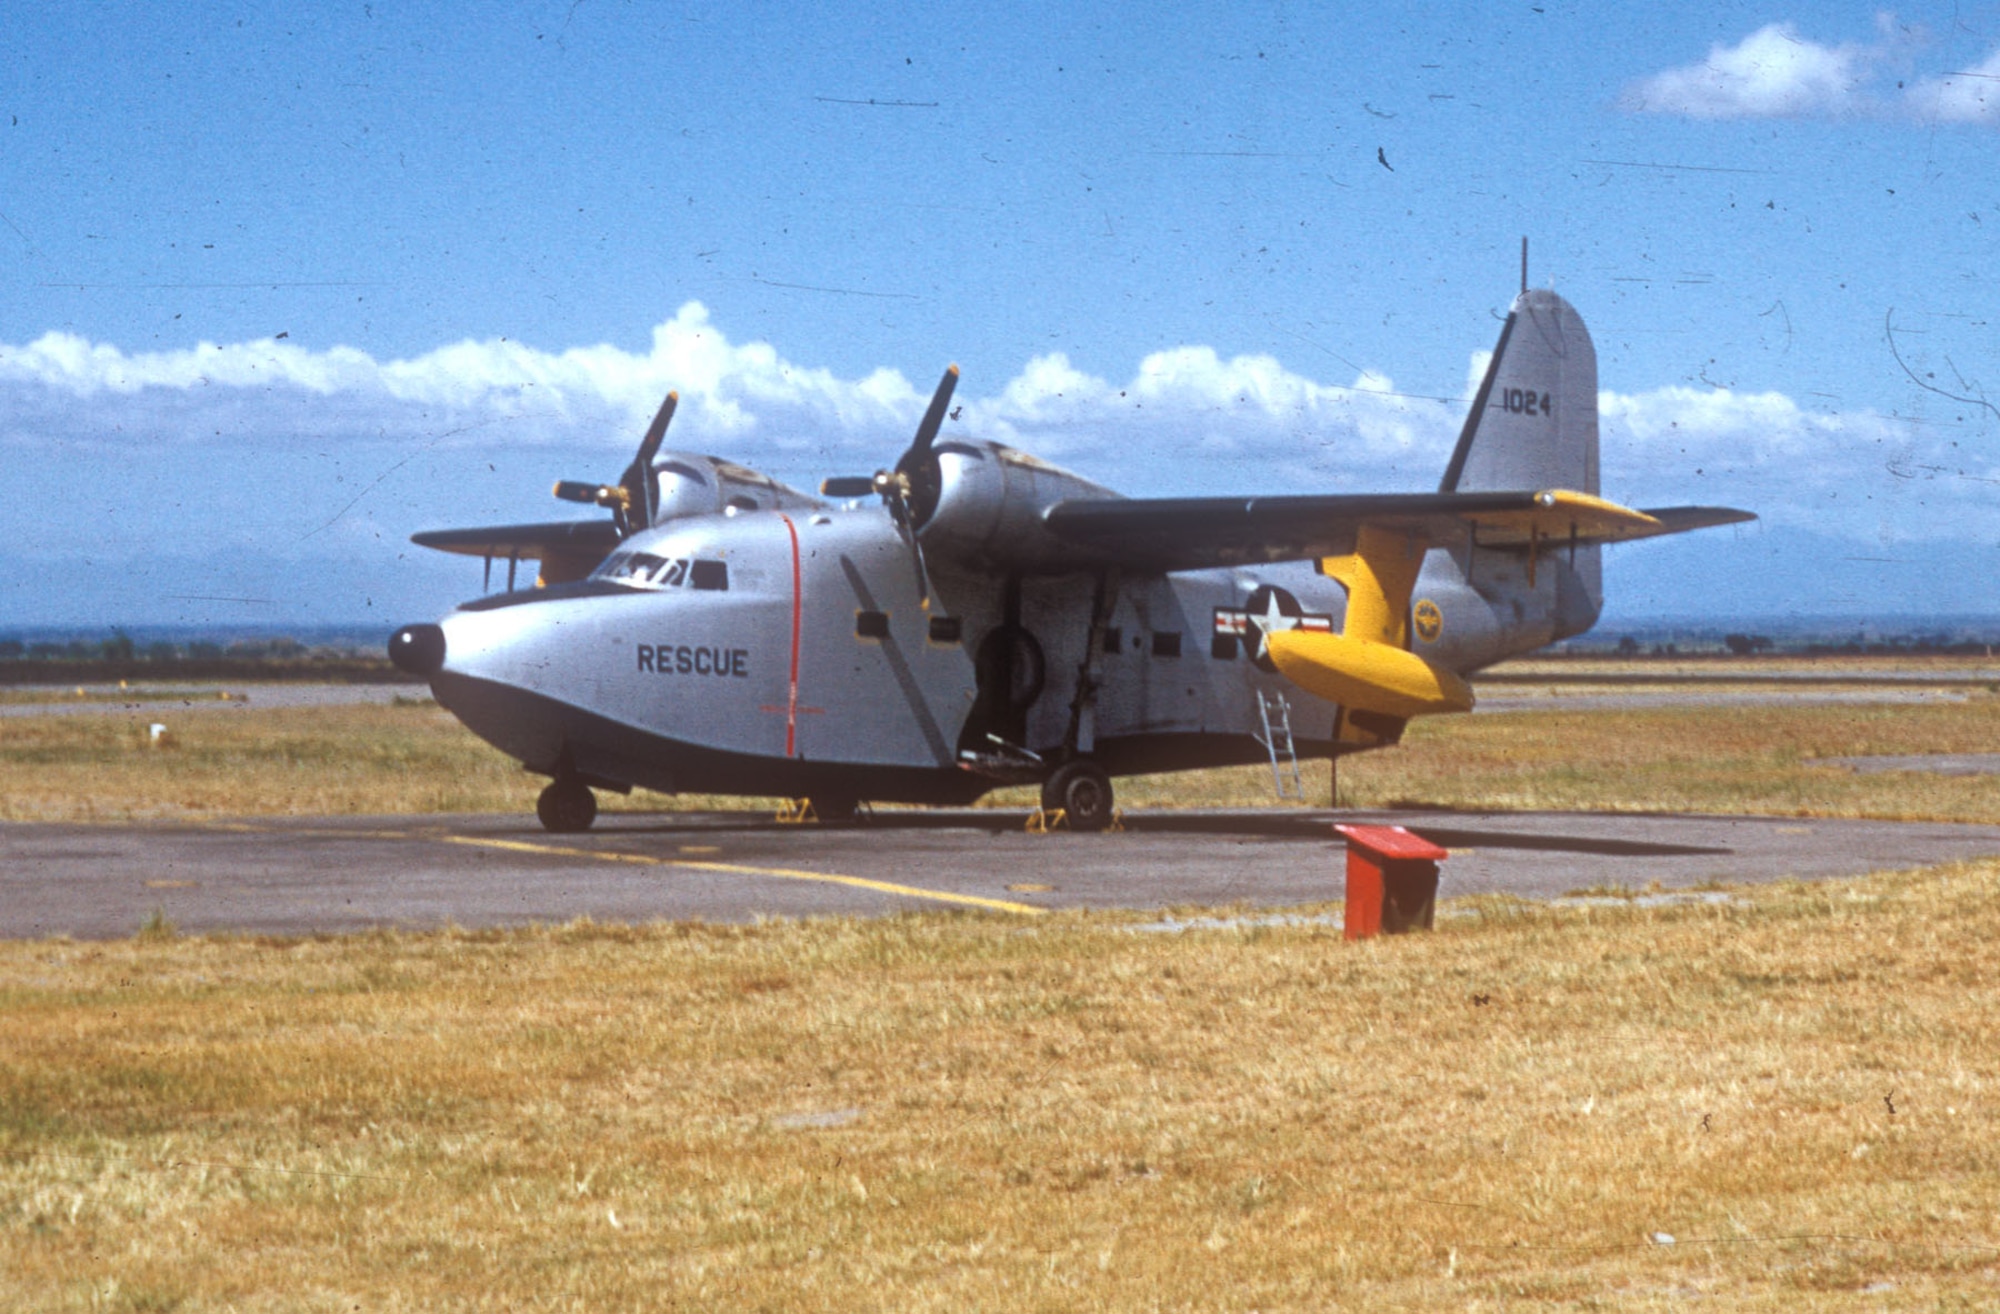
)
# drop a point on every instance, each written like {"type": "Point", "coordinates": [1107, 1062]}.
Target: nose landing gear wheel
{"type": "Point", "coordinates": [1082, 790]}
{"type": "Point", "coordinates": [566, 807]}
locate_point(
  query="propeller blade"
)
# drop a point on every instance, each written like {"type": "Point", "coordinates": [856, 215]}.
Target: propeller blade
{"type": "Point", "coordinates": [895, 491]}
{"type": "Point", "coordinates": [923, 572]}
{"type": "Point", "coordinates": [641, 492]}
{"type": "Point", "coordinates": [656, 432]}
{"type": "Point", "coordinates": [917, 468]}
{"type": "Point", "coordinates": [927, 430]}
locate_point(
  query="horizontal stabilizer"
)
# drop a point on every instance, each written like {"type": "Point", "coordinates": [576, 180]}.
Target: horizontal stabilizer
{"type": "Point", "coordinates": [1680, 519]}
{"type": "Point", "coordinates": [1194, 533]}
{"type": "Point", "coordinates": [561, 538]}
{"type": "Point", "coordinates": [1564, 516]}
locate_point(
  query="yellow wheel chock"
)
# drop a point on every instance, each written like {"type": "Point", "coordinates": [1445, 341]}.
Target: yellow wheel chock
{"type": "Point", "coordinates": [1043, 821]}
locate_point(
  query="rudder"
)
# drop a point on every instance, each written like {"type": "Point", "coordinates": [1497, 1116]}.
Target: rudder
{"type": "Point", "coordinates": [1533, 422]}
{"type": "Point", "coordinates": [1533, 427]}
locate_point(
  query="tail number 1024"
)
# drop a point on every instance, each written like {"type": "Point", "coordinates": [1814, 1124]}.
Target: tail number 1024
{"type": "Point", "coordinates": [1526, 401]}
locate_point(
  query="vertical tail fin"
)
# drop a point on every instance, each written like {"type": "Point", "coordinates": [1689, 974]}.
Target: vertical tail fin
{"type": "Point", "coordinates": [1533, 426]}
{"type": "Point", "coordinates": [1533, 423]}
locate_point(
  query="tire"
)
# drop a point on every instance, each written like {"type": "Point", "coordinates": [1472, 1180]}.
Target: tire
{"type": "Point", "coordinates": [1082, 789]}
{"type": "Point", "coordinates": [566, 807]}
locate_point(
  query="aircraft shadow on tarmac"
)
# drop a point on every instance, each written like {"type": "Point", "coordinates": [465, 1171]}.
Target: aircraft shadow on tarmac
{"type": "Point", "coordinates": [1319, 828]}
{"type": "Point", "coordinates": [1610, 848]}
{"type": "Point", "coordinates": [1295, 827]}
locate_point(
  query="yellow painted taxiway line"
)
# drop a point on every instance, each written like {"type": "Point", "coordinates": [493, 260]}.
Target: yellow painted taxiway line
{"type": "Point", "coordinates": [780, 873]}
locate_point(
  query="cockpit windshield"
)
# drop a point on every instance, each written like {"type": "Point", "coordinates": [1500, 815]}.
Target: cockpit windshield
{"type": "Point", "coordinates": [647, 570]}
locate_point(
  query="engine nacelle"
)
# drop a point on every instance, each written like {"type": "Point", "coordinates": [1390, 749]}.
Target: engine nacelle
{"type": "Point", "coordinates": [691, 485]}
{"type": "Point", "coordinates": [990, 503]}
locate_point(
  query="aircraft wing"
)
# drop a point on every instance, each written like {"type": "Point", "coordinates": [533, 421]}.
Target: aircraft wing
{"type": "Point", "coordinates": [1194, 533]}
{"type": "Point", "coordinates": [560, 538]}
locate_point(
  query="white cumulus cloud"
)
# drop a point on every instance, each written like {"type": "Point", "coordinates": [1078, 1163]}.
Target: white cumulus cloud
{"type": "Point", "coordinates": [1246, 418]}
{"type": "Point", "coordinates": [476, 429]}
{"type": "Point", "coordinates": [1773, 72]}
{"type": "Point", "coordinates": [1969, 95]}
{"type": "Point", "coordinates": [1860, 474]}
{"type": "Point", "coordinates": [1777, 73]}
{"type": "Point", "coordinates": [744, 400]}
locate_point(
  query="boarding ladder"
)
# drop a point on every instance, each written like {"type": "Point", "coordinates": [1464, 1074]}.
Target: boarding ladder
{"type": "Point", "coordinates": [1275, 712]}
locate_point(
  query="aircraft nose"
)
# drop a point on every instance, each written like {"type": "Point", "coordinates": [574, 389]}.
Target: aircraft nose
{"type": "Point", "coordinates": [418, 649]}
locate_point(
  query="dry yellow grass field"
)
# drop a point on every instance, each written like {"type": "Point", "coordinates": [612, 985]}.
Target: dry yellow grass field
{"type": "Point", "coordinates": [1790, 1100]}
{"type": "Point", "coordinates": [1786, 1100]}
{"type": "Point", "coordinates": [324, 761]}
{"type": "Point", "coordinates": [1756, 758]}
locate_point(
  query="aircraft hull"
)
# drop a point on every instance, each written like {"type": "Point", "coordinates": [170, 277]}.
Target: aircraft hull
{"type": "Point", "coordinates": [539, 731]}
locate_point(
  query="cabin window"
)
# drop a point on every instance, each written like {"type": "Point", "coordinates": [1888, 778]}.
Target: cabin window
{"type": "Point", "coordinates": [1223, 648]}
{"type": "Point", "coordinates": [1167, 643]}
{"type": "Point", "coordinates": [871, 624]}
{"type": "Point", "coordinates": [1114, 639]}
{"type": "Point", "coordinates": [709, 575]}
{"type": "Point", "coordinates": [946, 629]}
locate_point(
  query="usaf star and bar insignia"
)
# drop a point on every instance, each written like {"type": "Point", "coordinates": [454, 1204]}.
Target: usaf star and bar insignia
{"type": "Point", "coordinates": [1268, 610]}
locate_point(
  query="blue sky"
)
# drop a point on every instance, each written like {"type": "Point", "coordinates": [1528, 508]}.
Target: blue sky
{"type": "Point", "coordinates": [286, 284]}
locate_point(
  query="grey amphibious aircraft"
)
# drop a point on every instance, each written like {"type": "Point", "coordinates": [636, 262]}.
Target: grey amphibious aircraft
{"type": "Point", "coordinates": [975, 616]}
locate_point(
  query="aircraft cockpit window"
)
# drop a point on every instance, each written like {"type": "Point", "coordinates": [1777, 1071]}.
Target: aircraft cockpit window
{"type": "Point", "coordinates": [639, 568]}
{"type": "Point", "coordinates": [645, 569]}
{"type": "Point", "coordinates": [709, 575]}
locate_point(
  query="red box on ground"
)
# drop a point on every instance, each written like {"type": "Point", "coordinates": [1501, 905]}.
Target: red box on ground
{"type": "Point", "coordinates": [1392, 879]}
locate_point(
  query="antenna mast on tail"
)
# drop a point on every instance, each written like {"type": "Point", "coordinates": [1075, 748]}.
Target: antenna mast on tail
{"type": "Point", "coordinates": [1524, 263]}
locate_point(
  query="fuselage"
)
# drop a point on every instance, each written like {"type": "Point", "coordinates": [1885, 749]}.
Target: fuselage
{"type": "Point", "coordinates": [799, 651]}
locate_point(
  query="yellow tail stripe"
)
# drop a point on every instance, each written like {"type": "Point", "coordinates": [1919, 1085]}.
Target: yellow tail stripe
{"type": "Point", "coordinates": [780, 873]}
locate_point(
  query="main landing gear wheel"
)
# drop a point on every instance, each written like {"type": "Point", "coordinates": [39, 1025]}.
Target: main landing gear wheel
{"type": "Point", "coordinates": [566, 807]}
{"type": "Point", "coordinates": [1082, 790]}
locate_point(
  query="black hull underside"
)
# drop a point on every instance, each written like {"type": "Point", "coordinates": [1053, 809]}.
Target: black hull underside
{"type": "Point", "coordinates": [549, 736]}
